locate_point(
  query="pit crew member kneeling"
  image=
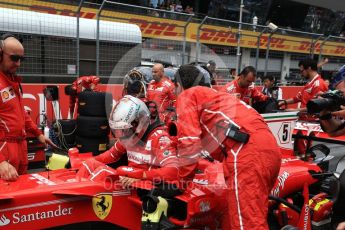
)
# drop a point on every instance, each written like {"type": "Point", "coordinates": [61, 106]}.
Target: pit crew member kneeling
{"type": "Point", "coordinates": [151, 154]}
{"type": "Point", "coordinates": [222, 125]}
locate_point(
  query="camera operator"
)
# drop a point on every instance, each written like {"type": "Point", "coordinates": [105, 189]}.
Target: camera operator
{"type": "Point", "coordinates": [331, 106]}
{"type": "Point", "coordinates": [331, 122]}
{"type": "Point", "coordinates": [331, 109]}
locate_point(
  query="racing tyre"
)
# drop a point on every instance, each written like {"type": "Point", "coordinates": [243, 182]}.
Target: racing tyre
{"type": "Point", "coordinates": [94, 104]}
{"type": "Point", "coordinates": [94, 145]}
{"type": "Point", "coordinates": [92, 126]}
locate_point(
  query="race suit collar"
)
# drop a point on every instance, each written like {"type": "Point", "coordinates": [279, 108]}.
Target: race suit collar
{"type": "Point", "coordinates": [11, 78]}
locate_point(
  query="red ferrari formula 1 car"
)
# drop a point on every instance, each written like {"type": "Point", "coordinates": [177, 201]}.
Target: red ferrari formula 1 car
{"type": "Point", "coordinates": [306, 195]}
{"type": "Point", "coordinates": [59, 198]}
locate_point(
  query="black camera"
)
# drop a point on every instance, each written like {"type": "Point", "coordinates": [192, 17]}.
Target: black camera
{"type": "Point", "coordinates": [332, 100]}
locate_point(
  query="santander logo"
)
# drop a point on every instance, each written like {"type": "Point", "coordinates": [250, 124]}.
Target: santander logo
{"type": "Point", "coordinates": [4, 220]}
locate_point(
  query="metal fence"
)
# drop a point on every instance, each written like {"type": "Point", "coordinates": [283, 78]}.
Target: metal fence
{"type": "Point", "coordinates": [58, 49]}
{"type": "Point", "coordinates": [161, 52]}
{"type": "Point", "coordinates": [49, 42]}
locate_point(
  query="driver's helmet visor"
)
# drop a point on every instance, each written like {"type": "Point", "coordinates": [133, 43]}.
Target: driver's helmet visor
{"type": "Point", "coordinates": [123, 130]}
{"type": "Point", "coordinates": [123, 133]}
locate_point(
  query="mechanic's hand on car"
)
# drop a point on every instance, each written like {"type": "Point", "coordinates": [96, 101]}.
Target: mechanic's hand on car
{"type": "Point", "coordinates": [127, 181]}
{"type": "Point", "coordinates": [8, 172]}
{"type": "Point", "coordinates": [340, 113]}
{"type": "Point", "coordinates": [44, 140]}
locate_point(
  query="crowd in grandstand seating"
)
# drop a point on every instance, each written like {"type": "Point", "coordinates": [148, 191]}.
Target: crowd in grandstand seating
{"type": "Point", "coordinates": [173, 6]}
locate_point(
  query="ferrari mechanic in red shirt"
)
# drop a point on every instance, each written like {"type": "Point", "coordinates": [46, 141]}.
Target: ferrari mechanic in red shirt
{"type": "Point", "coordinates": [14, 120]}
{"type": "Point", "coordinates": [313, 88]}
{"type": "Point", "coordinates": [229, 130]}
{"type": "Point", "coordinates": [151, 153]}
{"type": "Point", "coordinates": [243, 87]}
{"type": "Point", "coordinates": [78, 86]}
{"type": "Point", "coordinates": [161, 91]}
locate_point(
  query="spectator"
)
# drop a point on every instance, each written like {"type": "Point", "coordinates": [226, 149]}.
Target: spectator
{"type": "Point", "coordinates": [233, 75]}
{"type": "Point", "coordinates": [154, 3]}
{"type": "Point", "coordinates": [172, 7]}
{"type": "Point", "coordinates": [271, 89]}
{"type": "Point", "coordinates": [178, 7]}
{"type": "Point", "coordinates": [211, 67]}
{"type": "Point", "coordinates": [189, 10]}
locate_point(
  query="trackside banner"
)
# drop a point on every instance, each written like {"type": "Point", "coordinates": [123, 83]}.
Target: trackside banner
{"type": "Point", "coordinates": [36, 104]}
{"type": "Point", "coordinates": [163, 28]}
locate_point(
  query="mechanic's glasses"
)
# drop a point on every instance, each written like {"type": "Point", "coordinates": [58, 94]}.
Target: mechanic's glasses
{"type": "Point", "coordinates": [16, 58]}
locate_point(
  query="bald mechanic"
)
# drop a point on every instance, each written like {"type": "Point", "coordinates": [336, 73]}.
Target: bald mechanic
{"type": "Point", "coordinates": [227, 128]}
{"type": "Point", "coordinates": [14, 120]}
{"type": "Point", "coordinates": [161, 90]}
{"type": "Point", "coordinates": [243, 87]}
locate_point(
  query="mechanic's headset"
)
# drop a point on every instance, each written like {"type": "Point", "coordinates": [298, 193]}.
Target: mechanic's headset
{"type": "Point", "coordinates": [136, 76]}
{"type": "Point", "coordinates": [2, 43]}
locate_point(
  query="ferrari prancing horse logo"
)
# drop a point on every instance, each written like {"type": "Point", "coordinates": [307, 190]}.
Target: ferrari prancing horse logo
{"type": "Point", "coordinates": [101, 205]}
